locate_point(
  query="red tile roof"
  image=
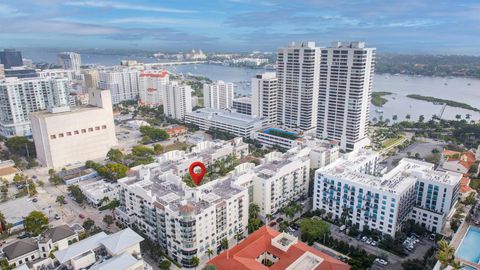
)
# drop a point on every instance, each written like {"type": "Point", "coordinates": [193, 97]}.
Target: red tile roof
{"type": "Point", "coordinates": [465, 185]}
{"type": "Point", "coordinates": [466, 159]}
{"type": "Point", "coordinates": [243, 256]}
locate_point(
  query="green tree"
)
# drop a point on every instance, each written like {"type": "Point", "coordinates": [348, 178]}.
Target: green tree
{"type": "Point", "coordinates": [153, 133]}
{"type": "Point", "coordinates": [36, 222]}
{"type": "Point", "coordinates": [76, 193]}
{"type": "Point", "coordinates": [5, 266]}
{"type": "Point", "coordinates": [209, 253]}
{"type": "Point", "coordinates": [470, 199]}
{"type": "Point", "coordinates": [414, 264]}
{"type": "Point", "coordinates": [165, 264]}
{"type": "Point", "coordinates": [195, 262]}
{"type": "Point", "coordinates": [210, 267]}
{"type": "Point", "coordinates": [88, 224]}
{"type": "Point", "coordinates": [313, 229]}
{"type": "Point", "coordinates": [158, 149]}
{"type": "Point", "coordinates": [115, 155]}
{"type": "Point", "coordinates": [445, 253]}
{"type": "Point", "coordinates": [142, 151]}
{"type": "Point", "coordinates": [108, 219]}
{"type": "Point", "coordinates": [21, 146]}
{"type": "Point", "coordinates": [60, 199]}
{"type": "Point", "coordinates": [253, 210]}
{"type": "Point", "coordinates": [116, 170]}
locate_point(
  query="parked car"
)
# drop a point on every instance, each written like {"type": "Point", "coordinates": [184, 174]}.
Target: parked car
{"type": "Point", "coordinates": [369, 241]}
{"type": "Point", "coordinates": [381, 261]}
{"type": "Point", "coordinates": [432, 237]}
{"type": "Point", "coordinates": [272, 224]}
{"type": "Point", "coordinates": [364, 239]}
{"type": "Point", "coordinates": [279, 219]}
{"type": "Point", "coordinates": [81, 216]}
{"type": "Point", "coordinates": [57, 217]}
{"type": "Point", "coordinates": [374, 243]}
{"type": "Point", "coordinates": [34, 200]}
{"type": "Point", "coordinates": [342, 228]}
{"type": "Point", "coordinates": [23, 235]}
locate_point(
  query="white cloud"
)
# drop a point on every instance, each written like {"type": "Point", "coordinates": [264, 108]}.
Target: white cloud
{"type": "Point", "coordinates": [117, 5]}
{"type": "Point", "coordinates": [10, 12]}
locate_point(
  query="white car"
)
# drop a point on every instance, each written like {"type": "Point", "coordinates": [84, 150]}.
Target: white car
{"type": "Point", "coordinates": [374, 243]}
{"type": "Point", "coordinates": [369, 241]}
{"type": "Point", "coordinates": [380, 261]}
{"type": "Point", "coordinates": [364, 239]}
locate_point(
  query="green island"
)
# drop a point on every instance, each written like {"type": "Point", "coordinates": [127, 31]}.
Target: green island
{"type": "Point", "coordinates": [378, 98]}
{"type": "Point", "coordinates": [450, 103]}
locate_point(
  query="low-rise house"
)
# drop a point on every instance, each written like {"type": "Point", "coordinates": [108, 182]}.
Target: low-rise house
{"type": "Point", "coordinates": [176, 130]}
{"type": "Point", "coordinates": [120, 250]}
{"type": "Point", "coordinates": [455, 161]}
{"type": "Point", "coordinates": [35, 252]}
{"type": "Point", "coordinates": [99, 192]}
{"type": "Point", "coordinates": [8, 170]}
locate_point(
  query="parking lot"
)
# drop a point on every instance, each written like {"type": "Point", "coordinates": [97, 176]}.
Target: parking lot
{"type": "Point", "coordinates": [423, 147]}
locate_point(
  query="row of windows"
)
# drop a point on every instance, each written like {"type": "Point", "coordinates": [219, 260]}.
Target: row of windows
{"type": "Point", "coordinates": [77, 132]}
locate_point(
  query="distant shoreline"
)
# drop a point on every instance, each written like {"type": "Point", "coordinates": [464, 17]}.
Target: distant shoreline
{"type": "Point", "coordinates": [450, 103]}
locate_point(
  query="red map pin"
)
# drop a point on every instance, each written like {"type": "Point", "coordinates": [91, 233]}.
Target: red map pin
{"type": "Point", "coordinates": [197, 177]}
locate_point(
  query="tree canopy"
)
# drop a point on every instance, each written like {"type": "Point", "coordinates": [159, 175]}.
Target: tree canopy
{"type": "Point", "coordinates": [36, 222]}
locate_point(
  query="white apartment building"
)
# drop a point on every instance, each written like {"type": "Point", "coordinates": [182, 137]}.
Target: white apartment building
{"type": "Point", "coordinates": [243, 105]}
{"type": "Point", "coordinates": [177, 100]}
{"type": "Point", "coordinates": [351, 188]}
{"type": "Point", "coordinates": [2, 72]}
{"type": "Point", "coordinates": [208, 152]}
{"type": "Point", "coordinates": [69, 60]}
{"type": "Point", "coordinates": [58, 73]}
{"type": "Point", "coordinates": [218, 95]}
{"type": "Point", "coordinates": [185, 221]}
{"type": "Point", "coordinates": [122, 83]}
{"type": "Point", "coordinates": [20, 97]}
{"type": "Point", "coordinates": [224, 120]}
{"type": "Point", "coordinates": [345, 92]}
{"type": "Point", "coordinates": [298, 82]}
{"type": "Point", "coordinates": [281, 179]}
{"type": "Point", "coordinates": [265, 97]}
{"type": "Point", "coordinates": [67, 136]}
{"type": "Point", "coordinates": [151, 83]}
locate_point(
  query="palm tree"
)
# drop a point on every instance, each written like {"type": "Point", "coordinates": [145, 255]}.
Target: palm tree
{"type": "Point", "coordinates": [268, 217]}
{"type": "Point", "coordinates": [2, 222]}
{"type": "Point", "coordinates": [253, 210]}
{"type": "Point", "coordinates": [445, 253]}
{"type": "Point", "coordinates": [195, 261]}
{"type": "Point", "coordinates": [238, 236]}
{"type": "Point", "coordinates": [209, 253]}
{"type": "Point", "coordinates": [456, 265]}
{"type": "Point", "coordinates": [224, 243]}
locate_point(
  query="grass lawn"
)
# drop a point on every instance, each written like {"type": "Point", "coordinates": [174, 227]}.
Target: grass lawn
{"type": "Point", "coordinates": [389, 142]}
{"type": "Point", "coordinates": [175, 146]}
{"type": "Point", "coordinates": [475, 183]}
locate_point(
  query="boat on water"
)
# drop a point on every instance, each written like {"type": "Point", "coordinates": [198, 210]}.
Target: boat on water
{"type": "Point", "coordinates": [445, 83]}
{"type": "Point", "coordinates": [469, 84]}
{"type": "Point", "coordinates": [379, 111]}
{"type": "Point", "coordinates": [394, 98]}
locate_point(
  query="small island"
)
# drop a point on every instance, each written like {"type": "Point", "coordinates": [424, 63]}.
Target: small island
{"type": "Point", "coordinates": [450, 103]}
{"type": "Point", "coordinates": [378, 98]}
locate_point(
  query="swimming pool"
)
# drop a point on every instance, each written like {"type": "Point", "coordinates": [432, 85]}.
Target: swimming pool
{"type": "Point", "coordinates": [469, 248]}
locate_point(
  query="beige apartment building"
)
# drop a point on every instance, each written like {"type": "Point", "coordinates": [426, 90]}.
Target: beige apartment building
{"type": "Point", "coordinates": [65, 136]}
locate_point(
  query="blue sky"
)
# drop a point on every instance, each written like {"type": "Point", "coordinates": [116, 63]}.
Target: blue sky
{"type": "Point", "coordinates": [407, 26]}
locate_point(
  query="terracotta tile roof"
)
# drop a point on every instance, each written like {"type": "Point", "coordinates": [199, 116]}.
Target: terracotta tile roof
{"type": "Point", "coordinates": [466, 159]}
{"type": "Point", "coordinates": [243, 256]}
{"type": "Point", "coordinates": [8, 171]}
{"type": "Point", "coordinates": [465, 185]}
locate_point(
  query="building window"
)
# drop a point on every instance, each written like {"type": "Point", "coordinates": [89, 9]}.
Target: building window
{"type": "Point", "coordinates": [76, 132]}
{"type": "Point", "coordinates": [69, 133]}
{"type": "Point", "coordinates": [60, 135]}
{"type": "Point", "coordinates": [53, 137]}
{"type": "Point", "coordinates": [97, 128]}
{"type": "Point", "coordinates": [90, 129]}
{"type": "Point", "coordinates": [104, 127]}
{"type": "Point", "coordinates": [84, 130]}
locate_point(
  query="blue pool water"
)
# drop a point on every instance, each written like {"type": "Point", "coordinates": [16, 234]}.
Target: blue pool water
{"type": "Point", "coordinates": [469, 249]}
{"type": "Point", "coordinates": [280, 130]}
